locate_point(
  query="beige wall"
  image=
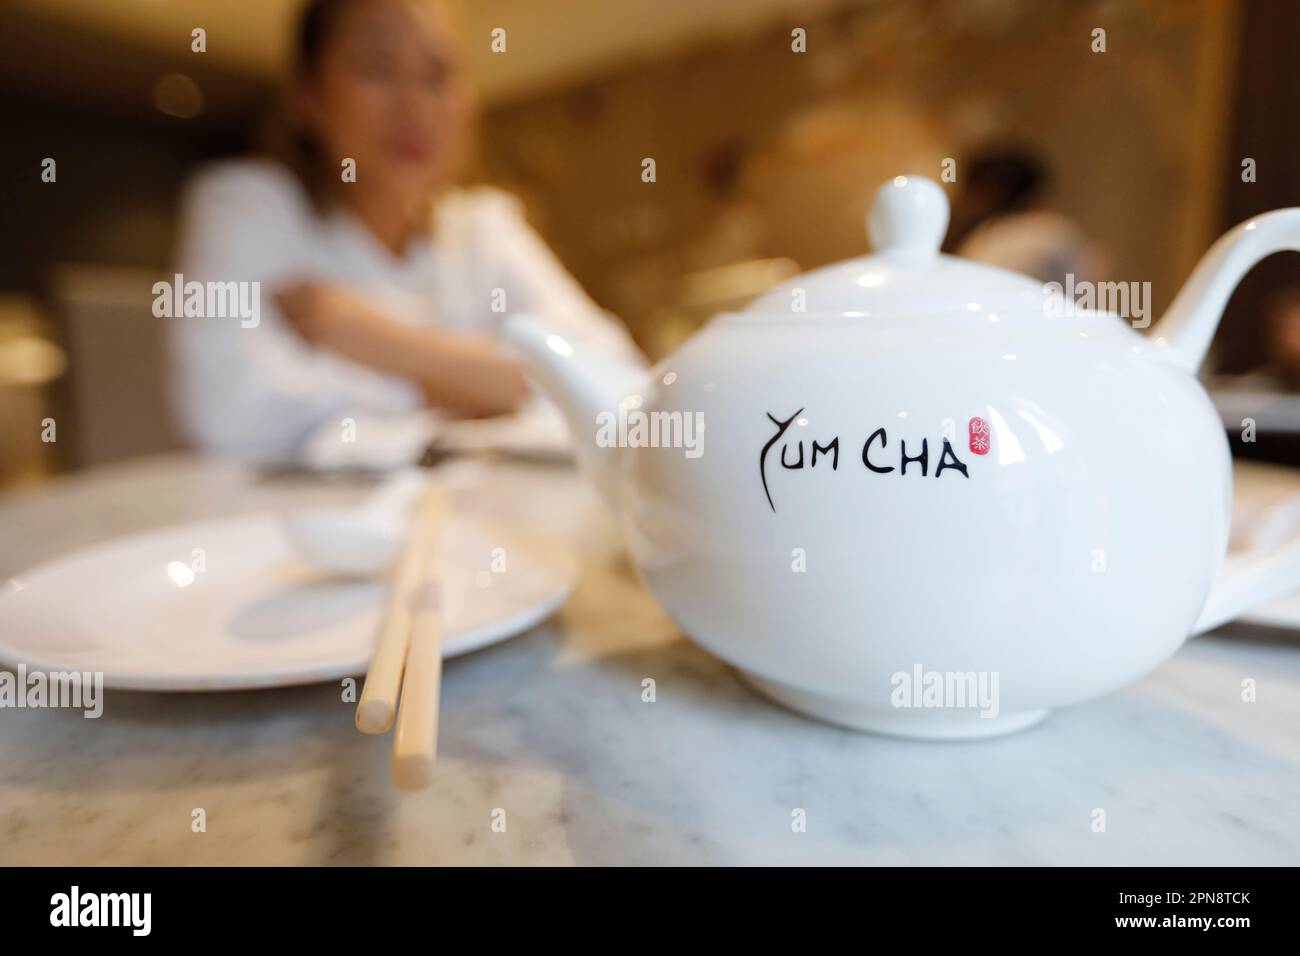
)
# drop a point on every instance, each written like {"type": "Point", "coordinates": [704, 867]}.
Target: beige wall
{"type": "Point", "coordinates": [764, 152]}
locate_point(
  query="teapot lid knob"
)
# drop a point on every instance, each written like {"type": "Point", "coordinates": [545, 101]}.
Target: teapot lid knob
{"type": "Point", "coordinates": [909, 214]}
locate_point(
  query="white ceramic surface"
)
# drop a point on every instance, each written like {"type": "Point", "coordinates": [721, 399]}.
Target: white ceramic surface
{"type": "Point", "coordinates": [253, 614]}
{"type": "Point", "coordinates": [365, 539]}
{"type": "Point", "coordinates": [1063, 536]}
{"type": "Point", "coordinates": [1266, 512]}
{"type": "Point", "coordinates": [1283, 612]}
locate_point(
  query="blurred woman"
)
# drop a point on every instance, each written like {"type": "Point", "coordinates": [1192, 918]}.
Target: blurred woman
{"type": "Point", "coordinates": [380, 284]}
{"type": "Point", "coordinates": [1000, 218]}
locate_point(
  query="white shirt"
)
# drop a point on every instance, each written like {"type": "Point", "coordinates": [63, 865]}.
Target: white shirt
{"type": "Point", "coordinates": [1038, 243]}
{"type": "Point", "coordinates": [261, 391]}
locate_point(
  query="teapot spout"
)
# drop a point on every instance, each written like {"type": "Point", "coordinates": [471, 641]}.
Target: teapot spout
{"type": "Point", "coordinates": [585, 379]}
{"type": "Point", "coordinates": [1188, 328]}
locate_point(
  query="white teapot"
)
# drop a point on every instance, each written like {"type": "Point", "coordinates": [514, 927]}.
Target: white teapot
{"type": "Point", "coordinates": [916, 495]}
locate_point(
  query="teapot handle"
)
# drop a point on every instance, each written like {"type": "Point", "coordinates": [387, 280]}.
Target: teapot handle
{"type": "Point", "coordinates": [1186, 331]}
{"type": "Point", "coordinates": [1244, 584]}
{"type": "Point", "coordinates": [1189, 326]}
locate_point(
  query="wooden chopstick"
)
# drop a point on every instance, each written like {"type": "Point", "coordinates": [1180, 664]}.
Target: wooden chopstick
{"type": "Point", "coordinates": [378, 703]}
{"type": "Point", "coordinates": [415, 744]}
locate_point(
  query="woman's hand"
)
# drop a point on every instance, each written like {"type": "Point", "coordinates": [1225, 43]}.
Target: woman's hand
{"type": "Point", "coordinates": [466, 377]}
{"type": "Point", "coordinates": [459, 373]}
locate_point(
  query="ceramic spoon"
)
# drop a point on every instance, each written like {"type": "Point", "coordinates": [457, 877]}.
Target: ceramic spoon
{"type": "Point", "coordinates": [361, 541]}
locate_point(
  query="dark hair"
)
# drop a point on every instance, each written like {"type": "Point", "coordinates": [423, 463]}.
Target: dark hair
{"type": "Point", "coordinates": [1010, 180]}
{"type": "Point", "coordinates": [284, 138]}
{"type": "Point", "coordinates": [997, 182]}
{"type": "Point", "coordinates": [316, 24]}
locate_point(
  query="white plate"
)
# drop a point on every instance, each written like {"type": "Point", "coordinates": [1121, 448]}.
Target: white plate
{"type": "Point", "coordinates": [1266, 515]}
{"type": "Point", "coordinates": [1284, 612]}
{"type": "Point", "coordinates": [254, 615]}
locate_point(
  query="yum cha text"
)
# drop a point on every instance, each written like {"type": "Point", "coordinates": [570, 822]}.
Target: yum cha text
{"type": "Point", "coordinates": [878, 455]}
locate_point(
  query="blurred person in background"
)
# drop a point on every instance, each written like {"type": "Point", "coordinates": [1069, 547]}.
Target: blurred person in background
{"type": "Point", "coordinates": [378, 296]}
{"type": "Point", "coordinates": [1282, 338]}
{"type": "Point", "coordinates": [999, 218]}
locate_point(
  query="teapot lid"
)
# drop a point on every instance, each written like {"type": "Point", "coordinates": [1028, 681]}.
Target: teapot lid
{"type": "Point", "coordinates": [907, 275]}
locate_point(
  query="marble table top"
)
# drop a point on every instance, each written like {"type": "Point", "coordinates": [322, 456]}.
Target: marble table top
{"type": "Point", "coordinates": [549, 733]}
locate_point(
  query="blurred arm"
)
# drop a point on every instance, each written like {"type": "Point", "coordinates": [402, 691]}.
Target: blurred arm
{"type": "Point", "coordinates": [458, 372]}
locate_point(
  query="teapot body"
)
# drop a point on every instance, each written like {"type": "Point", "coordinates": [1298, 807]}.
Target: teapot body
{"type": "Point", "coordinates": [876, 514]}
{"type": "Point", "coordinates": [915, 494]}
